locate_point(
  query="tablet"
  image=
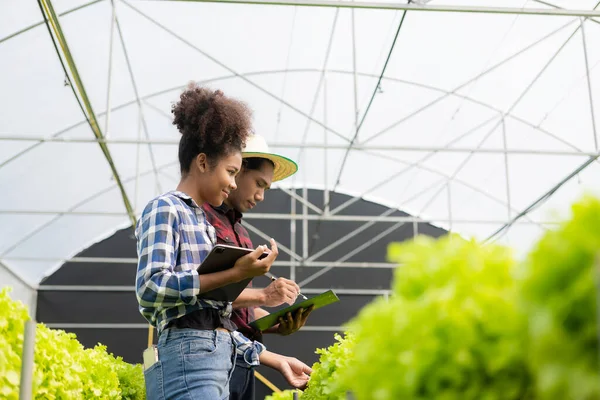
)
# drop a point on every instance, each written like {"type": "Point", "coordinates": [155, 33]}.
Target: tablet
{"type": "Point", "coordinates": [220, 258]}
{"type": "Point", "coordinates": [319, 301]}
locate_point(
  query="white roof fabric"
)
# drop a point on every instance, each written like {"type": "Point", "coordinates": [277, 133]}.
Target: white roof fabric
{"type": "Point", "coordinates": [476, 115]}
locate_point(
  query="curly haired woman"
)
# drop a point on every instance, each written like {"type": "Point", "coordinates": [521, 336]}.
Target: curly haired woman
{"type": "Point", "coordinates": [197, 341]}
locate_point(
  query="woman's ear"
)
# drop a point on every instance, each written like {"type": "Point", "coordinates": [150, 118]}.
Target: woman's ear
{"type": "Point", "coordinates": [202, 162]}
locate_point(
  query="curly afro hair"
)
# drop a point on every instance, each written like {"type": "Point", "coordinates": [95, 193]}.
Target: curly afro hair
{"type": "Point", "coordinates": [210, 123]}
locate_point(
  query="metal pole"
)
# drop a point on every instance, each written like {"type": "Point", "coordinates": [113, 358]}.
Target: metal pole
{"type": "Point", "coordinates": [292, 193]}
{"type": "Point", "coordinates": [237, 74]}
{"type": "Point", "coordinates": [15, 275]}
{"type": "Point", "coordinates": [349, 235]}
{"type": "Point", "coordinates": [354, 71]}
{"type": "Point", "coordinates": [110, 65]}
{"type": "Point", "coordinates": [589, 84]}
{"type": "Point", "coordinates": [92, 288]}
{"type": "Point", "coordinates": [512, 107]}
{"type": "Point", "coordinates": [468, 82]}
{"type": "Point", "coordinates": [137, 163]}
{"type": "Point", "coordinates": [309, 328]}
{"type": "Point", "coordinates": [305, 222]}
{"type": "Point", "coordinates": [325, 159]}
{"type": "Point", "coordinates": [266, 237]}
{"type": "Point", "coordinates": [352, 253]}
{"type": "Point", "coordinates": [372, 221]}
{"type": "Point", "coordinates": [321, 83]}
{"type": "Point", "coordinates": [79, 91]}
{"type": "Point", "coordinates": [506, 172]}
{"type": "Point", "coordinates": [413, 7]}
{"type": "Point", "coordinates": [293, 238]}
{"type": "Point", "coordinates": [458, 169]}
{"type": "Point", "coordinates": [358, 147]}
{"type": "Point", "coordinates": [26, 386]}
{"type": "Point", "coordinates": [311, 217]}
{"type": "Point", "coordinates": [311, 264]}
{"type": "Point", "coordinates": [449, 192]}
{"type": "Point", "coordinates": [406, 169]}
{"type": "Point", "coordinates": [140, 105]}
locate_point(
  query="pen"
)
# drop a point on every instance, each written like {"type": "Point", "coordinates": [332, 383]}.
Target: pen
{"type": "Point", "coordinates": [274, 278]}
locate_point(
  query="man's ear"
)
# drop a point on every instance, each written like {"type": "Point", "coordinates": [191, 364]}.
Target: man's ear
{"type": "Point", "coordinates": [202, 162]}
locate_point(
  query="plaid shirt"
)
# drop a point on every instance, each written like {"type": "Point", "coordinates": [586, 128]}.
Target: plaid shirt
{"type": "Point", "coordinates": [173, 238]}
{"type": "Point", "coordinates": [229, 230]}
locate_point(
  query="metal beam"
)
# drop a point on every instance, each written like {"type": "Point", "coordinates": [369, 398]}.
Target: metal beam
{"type": "Point", "coordinates": [358, 125]}
{"type": "Point", "coordinates": [506, 172]}
{"type": "Point", "coordinates": [510, 109]}
{"type": "Point", "coordinates": [468, 82]}
{"type": "Point", "coordinates": [355, 251]}
{"type": "Point", "coordinates": [300, 199]}
{"type": "Point", "coordinates": [320, 84]}
{"type": "Point", "coordinates": [408, 168]}
{"type": "Point", "coordinates": [299, 70]}
{"type": "Point", "coordinates": [291, 145]}
{"type": "Point", "coordinates": [412, 7]}
{"type": "Point", "coordinates": [118, 288]}
{"type": "Point", "coordinates": [359, 248]}
{"type": "Point", "coordinates": [237, 74]}
{"type": "Point", "coordinates": [449, 199]}
{"type": "Point", "coordinates": [266, 237]}
{"type": "Point", "coordinates": [56, 35]}
{"type": "Point", "coordinates": [589, 84]}
{"type": "Point", "coordinates": [16, 275]}
{"type": "Point", "coordinates": [382, 218]}
{"type": "Point", "coordinates": [111, 40]}
{"type": "Point", "coordinates": [30, 27]}
{"type": "Point", "coordinates": [498, 233]}
{"type": "Point", "coordinates": [133, 261]}
{"type": "Point", "coordinates": [555, 6]}
{"type": "Point", "coordinates": [456, 171]}
{"type": "Point", "coordinates": [293, 226]}
{"type": "Point", "coordinates": [350, 235]}
{"type": "Point", "coordinates": [138, 100]}
{"type": "Point", "coordinates": [114, 325]}
{"type": "Point", "coordinates": [418, 163]}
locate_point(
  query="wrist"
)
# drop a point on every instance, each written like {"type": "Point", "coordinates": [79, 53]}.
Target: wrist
{"type": "Point", "coordinates": [261, 298]}
{"type": "Point", "coordinates": [269, 359]}
{"type": "Point", "coordinates": [273, 329]}
{"type": "Point", "coordinates": [235, 275]}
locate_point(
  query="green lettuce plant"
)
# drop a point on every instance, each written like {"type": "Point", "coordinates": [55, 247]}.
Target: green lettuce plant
{"type": "Point", "coordinates": [452, 330]}
{"type": "Point", "coordinates": [63, 368]}
{"type": "Point", "coordinates": [560, 293]}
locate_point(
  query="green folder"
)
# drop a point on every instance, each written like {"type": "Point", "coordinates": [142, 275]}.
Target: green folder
{"type": "Point", "coordinates": [319, 301]}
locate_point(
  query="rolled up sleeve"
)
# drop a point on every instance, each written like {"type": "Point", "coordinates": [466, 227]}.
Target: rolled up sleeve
{"type": "Point", "coordinates": [158, 285]}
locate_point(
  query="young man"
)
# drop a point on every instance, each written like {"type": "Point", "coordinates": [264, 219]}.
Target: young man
{"type": "Point", "coordinates": [259, 169]}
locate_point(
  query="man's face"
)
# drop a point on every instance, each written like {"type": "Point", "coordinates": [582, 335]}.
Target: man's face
{"type": "Point", "coordinates": [251, 187]}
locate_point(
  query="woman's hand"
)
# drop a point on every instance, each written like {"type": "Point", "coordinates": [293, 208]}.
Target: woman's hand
{"type": "Point", "coordinates": [295, 372]}
{"type": "Point", "coordinates": [251, 265]}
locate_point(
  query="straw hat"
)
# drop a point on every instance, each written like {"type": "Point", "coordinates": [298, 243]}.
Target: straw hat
{"type": "Point", "coordinates": [256, 146]}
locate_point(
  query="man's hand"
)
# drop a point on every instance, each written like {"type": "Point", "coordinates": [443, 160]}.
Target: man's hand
{"type": "Point", "coordinates": [289, 324]}
{"type": "Point", "coordinates": [295, 372]}
{"type": "Point", "coordinates": [280, 291]}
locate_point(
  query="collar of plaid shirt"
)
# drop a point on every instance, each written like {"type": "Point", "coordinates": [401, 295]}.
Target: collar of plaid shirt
{"type": "Point", "coordinates": [227, 224]}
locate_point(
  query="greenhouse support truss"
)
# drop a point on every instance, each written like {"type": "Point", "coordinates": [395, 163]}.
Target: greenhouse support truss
{"type": "Point", "coordinates": [99, 124]}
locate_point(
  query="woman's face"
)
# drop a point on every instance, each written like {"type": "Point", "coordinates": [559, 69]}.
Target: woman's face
{"type": "Point", "coordinates": [219, 180]}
